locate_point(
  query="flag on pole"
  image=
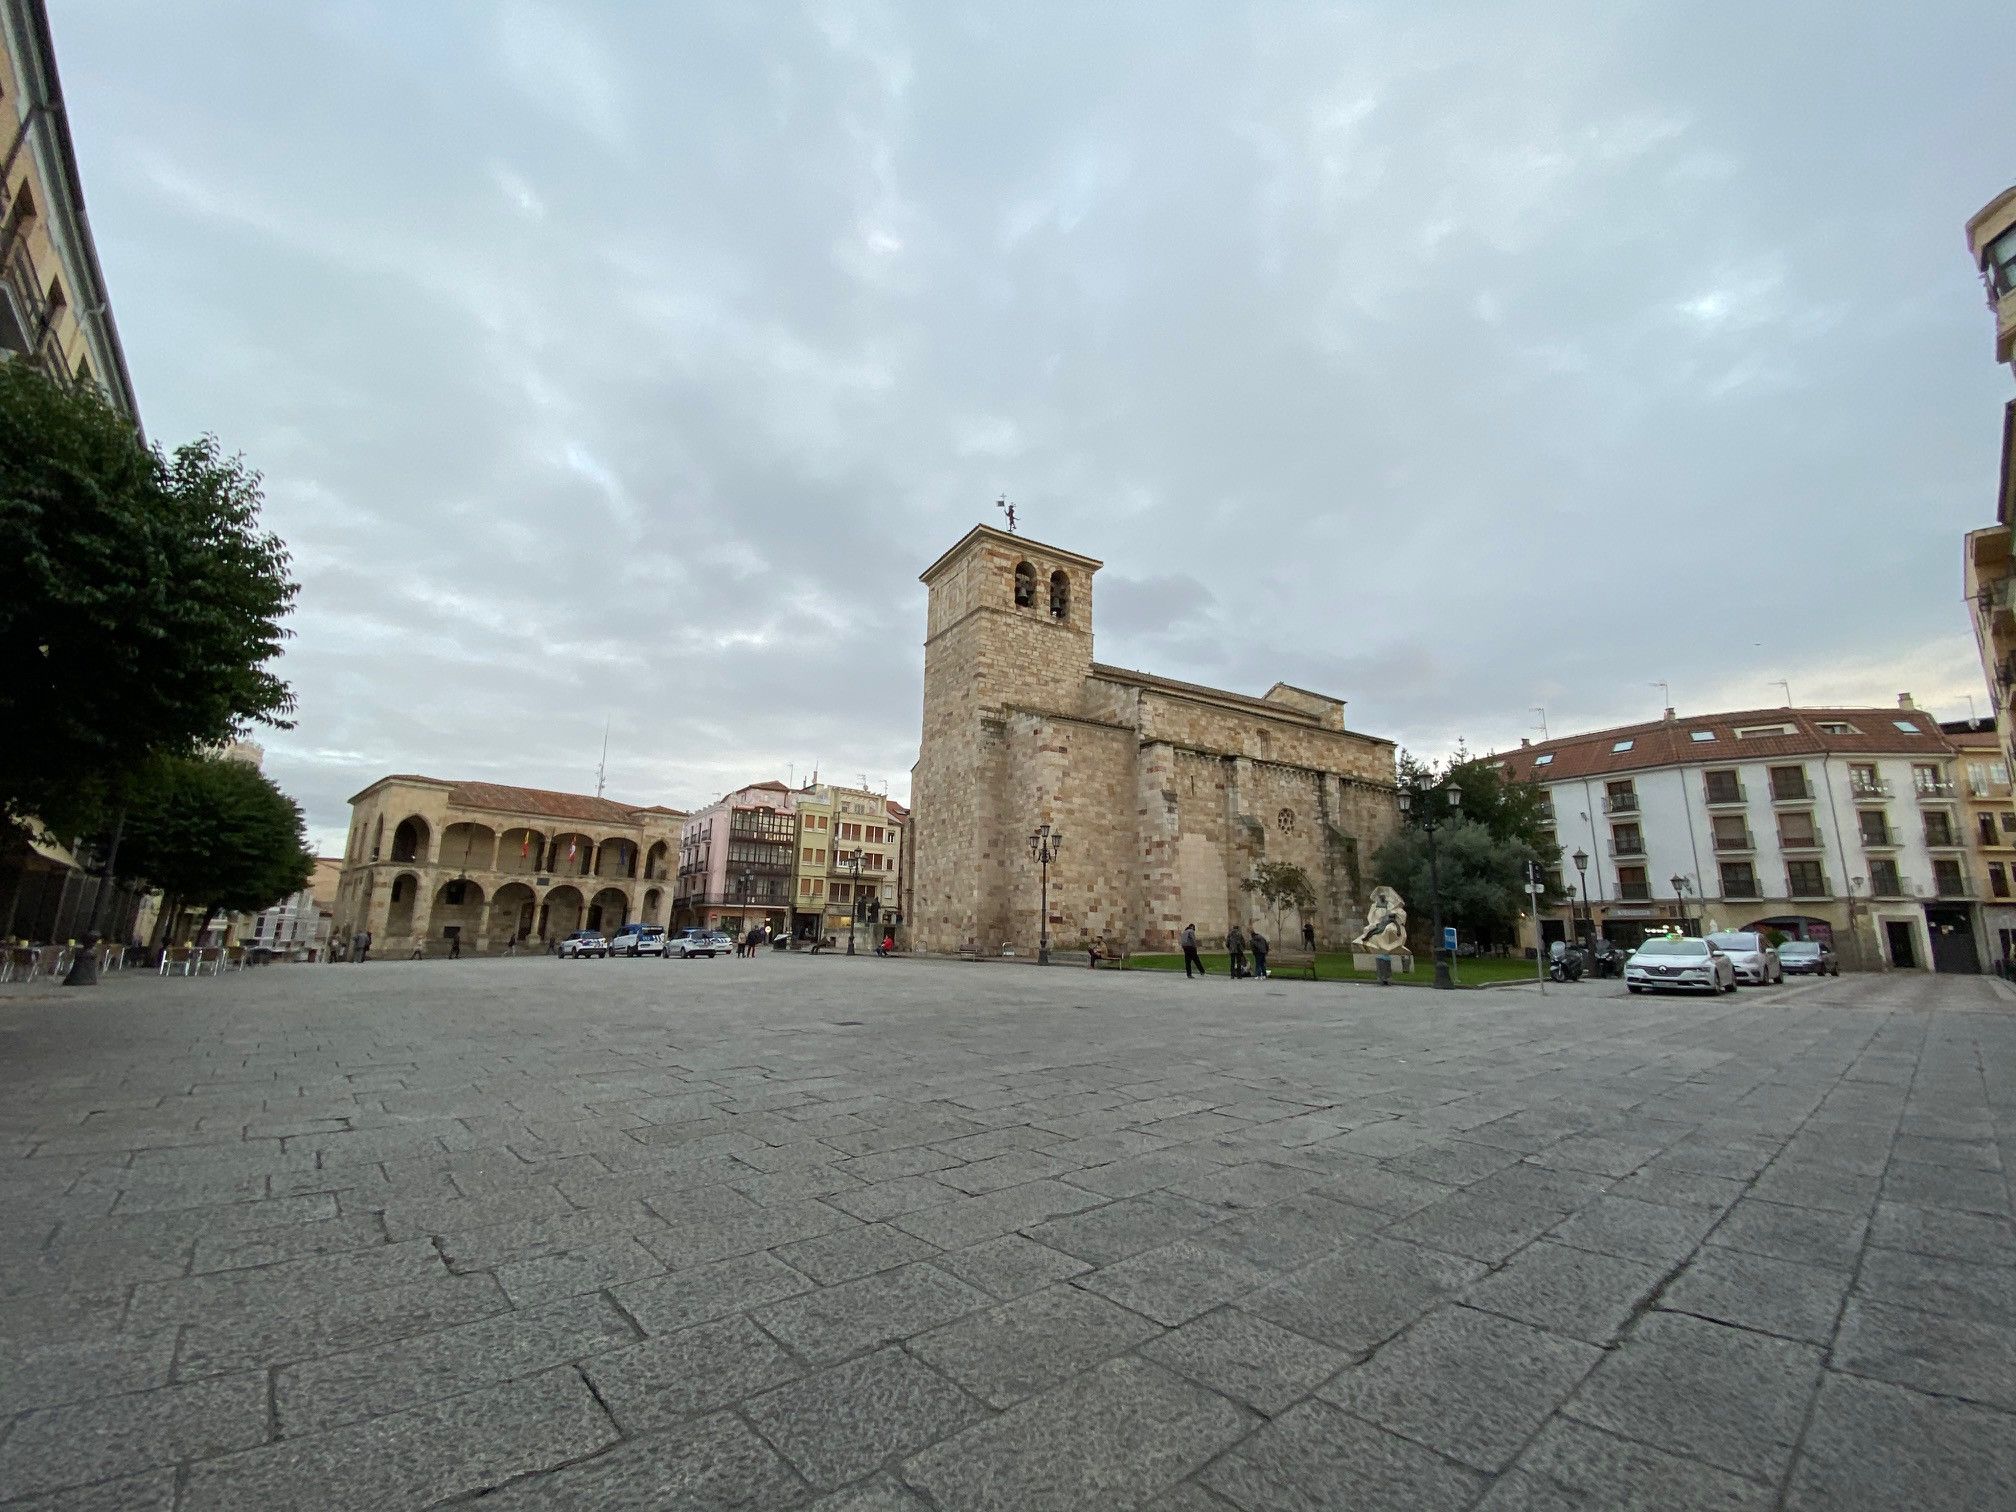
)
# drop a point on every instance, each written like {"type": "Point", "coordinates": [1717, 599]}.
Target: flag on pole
{"type": "Point", "coordinates": [525, 846]}
{"type": "Point", "coordinates": [571, 845]}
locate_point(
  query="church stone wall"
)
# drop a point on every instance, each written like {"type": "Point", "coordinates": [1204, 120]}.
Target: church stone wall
{"type": "Point", "coordinates": [1166, 799]}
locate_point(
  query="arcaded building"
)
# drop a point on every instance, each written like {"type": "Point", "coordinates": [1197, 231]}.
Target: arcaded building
{"type": "Point", "coordinates": [1168, 794]}
{"type": "Point", "coordinates": [430, 861]}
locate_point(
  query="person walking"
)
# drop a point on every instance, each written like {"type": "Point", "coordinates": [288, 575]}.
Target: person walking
{"type": "Point", "coordinates": [1309, 937]}
{"type": "Point", "coordinates": [1235, 945]}
{"type": "Point", "coordinates": [455, 946]}
{"type": "Point", "coordinates": [1188, 940]}
{"type": "Point", "coordinates": [1260, 948]}
{"type": "Point", "coordinates": [363, 944]}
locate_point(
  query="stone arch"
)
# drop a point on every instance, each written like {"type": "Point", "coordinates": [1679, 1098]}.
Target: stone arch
{"type": "Point", "coordinates": [399, 912]}
{"type": "Point", "coordinates": [561, 913]}
{"type": "Point", "coordinates": [608, 910]}
{"type": "Point", "coordinates": [654, 905]}
{"type": "Point", "coordinates": [458, 905]}
{"type": "Point", "coordinates": [1060, 594]}
{"type": "Point", "coordinates": [410, 839]}
{"type": "Point", "coordinates": [521, 851]}
{"type": "Point", "coordinates": [658, 862]}
{"type": "Point", "coordinates": [468, 846]}
{"type": "Point", "coordinates": [577, 865]}
{"type": "Point", "coordinates": [1025, 586]}
{"type": "Point", "coordinates": [616, 859]}
{"type": "Point", "coordinates": [512, 913]}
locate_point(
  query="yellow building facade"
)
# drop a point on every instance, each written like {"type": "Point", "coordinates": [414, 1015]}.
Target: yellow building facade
{"type": "Point", "coordinates": [433, 865]}
{"type": "Point", "coordinates": [839, 827]}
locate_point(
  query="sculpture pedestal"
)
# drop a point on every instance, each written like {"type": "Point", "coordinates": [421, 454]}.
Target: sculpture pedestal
{"type": "Point", "coordinates": [1368, 960]}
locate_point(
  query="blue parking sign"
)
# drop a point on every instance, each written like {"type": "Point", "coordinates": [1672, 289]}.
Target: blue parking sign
{"type": "Point", "coordinates": [1449, 937]}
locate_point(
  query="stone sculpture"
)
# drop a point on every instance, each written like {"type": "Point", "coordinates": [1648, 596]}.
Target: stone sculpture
{"type": "Point", "coordinates": [1385, 929]}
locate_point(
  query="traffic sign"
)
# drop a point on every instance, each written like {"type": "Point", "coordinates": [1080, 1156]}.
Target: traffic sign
{"type": "Point", "coordinates": [1449, 937]}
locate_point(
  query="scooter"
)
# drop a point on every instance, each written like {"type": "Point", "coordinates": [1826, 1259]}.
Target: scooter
{"type": "Point", "coordinates": [1564, 965]}
{"type": "Point", "coordinates": [1609, 960]}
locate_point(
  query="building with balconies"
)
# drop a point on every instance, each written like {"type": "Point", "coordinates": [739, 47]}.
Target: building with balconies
{"type": "Point", "coordinates": [1989, 563]}
{"type": "Point", "coordinates": [1988, 826]}
{"type": "Point", "coordinates": [737, 859]}
{"type": "Point", "coordinates": [850, 861]}
{"type": "Point", "coordinates": [1846, 825]}
{"type": "Point", "coordinates": [485, 866]}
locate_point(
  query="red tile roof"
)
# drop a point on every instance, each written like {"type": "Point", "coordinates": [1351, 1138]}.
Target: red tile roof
{"type": "Point", "coordinates": [522, 800]}
{"type": "Point", "coordinates": [1670, 742]}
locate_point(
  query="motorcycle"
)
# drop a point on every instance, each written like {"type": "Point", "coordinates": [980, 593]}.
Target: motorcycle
{"type": "Point", "coordinates": [1564, 965]}
{"type": "Point", "coordinates": [1609, 960]}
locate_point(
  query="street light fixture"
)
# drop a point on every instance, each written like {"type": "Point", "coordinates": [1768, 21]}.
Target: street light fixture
{"type": "Point", "coordinates": [852, 862]}
{"type": "Point", "coordinates": [1430, 808]}
{"type": "Point", "coordinates": [1581, 860]}
{"type": "Point", "coordinates": [748, 888]}
{"type": "Point", "coordinates": [1044, 843]}
{"type": "Point", "coordinates": [1681, 887]}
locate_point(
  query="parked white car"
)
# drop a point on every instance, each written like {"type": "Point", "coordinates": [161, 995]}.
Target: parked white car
{"type": "Point", "coordinates": [1670, 962]}
{"type": "Point", "coordinates": [638, 939]}
{"type": "Point", "coordinates": [1756, 963]}
{"type": "Point", "coordinates": [697, 942]}
{"type": "Point", "coordinates": [583, 942]}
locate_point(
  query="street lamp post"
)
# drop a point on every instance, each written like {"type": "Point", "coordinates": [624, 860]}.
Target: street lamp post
{"type": "Point", "coordinates": [852, 861]}
{"type": "Point", "coordinates": [1681, 887]}
{"type": "Point", "coordinates": [748, 880]}
{"type": "Point", "coordinates": [1581, 860]}
{"type": "Point", "coordinates": [1431, 808]}
{"type": "Point", "coordinates": [1044, 843]}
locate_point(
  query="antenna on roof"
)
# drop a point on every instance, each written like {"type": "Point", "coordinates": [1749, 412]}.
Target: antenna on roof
{"type": "Point", "coordinates": [1543, 721]}
{"type": "Point", "coordinates": [1008, 509]}
{"type": "Point", "coordinates": [1665, 693]}
{"type": "Point", "coordinates": [1971, 719]}
{"type": "Point", "coordinates": [602, 771]}
{"type": "Point", "coordinates": [1781, 683]}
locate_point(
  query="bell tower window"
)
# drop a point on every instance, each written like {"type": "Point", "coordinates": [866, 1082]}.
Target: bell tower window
{"type": "Point", "coordinates": [1060, 595]}
{"type": "Point", "coordinates": [1025, 585]}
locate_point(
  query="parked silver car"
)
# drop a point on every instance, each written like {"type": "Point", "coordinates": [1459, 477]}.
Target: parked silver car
{"type": "Point", "coordinates": [1756, 963]}
{"type": "Point", "coordinates": [584, 942]}
{"type": "Point", "coordinates": [1808, 958]}
{"type": "Point", "coordinates": [1667, 963]}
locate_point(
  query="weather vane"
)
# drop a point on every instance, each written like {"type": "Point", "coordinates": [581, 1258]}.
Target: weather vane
{"type": "Point", "coordinates": [1008, 509]}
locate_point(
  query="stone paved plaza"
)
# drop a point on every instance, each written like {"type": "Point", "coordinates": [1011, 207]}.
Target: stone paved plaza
{"type": "Point", "coordinates": [830, 1233]}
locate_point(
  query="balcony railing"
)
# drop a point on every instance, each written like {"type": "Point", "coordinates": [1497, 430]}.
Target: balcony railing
{"type": "Point", "coordinates": [1869, 787]}
{"type": "Point", "coordinates": [1627, 847]}
{"type": "Point", "coordinates": [1935, 790]}
{"type": "Point", "coordinates": [1635, 892]}
{"type": "Point", "coordinates": [1954, 887]}
{"type": "Point", "coordinates": [1879, 839]}
{"type": "Point", "coordinates": [1937, 838]}
{"type": "Point", "coordinates": [1800, 791]}
{"type": "Point", "coordinates": [1721, 794]}
{"type": "Point", "coordinates": [1796, 889]}
{"type": "Point", "coordinates": [1888, 887]}
{"type": "Point", "coordinates": [1738, 887]}
{"type": "Point", "coordinates": [1620, 803]}
{"type": "Point", "coordinates": [1742, 842]}
{"type": "Point", "coordinates": [1799, 842]}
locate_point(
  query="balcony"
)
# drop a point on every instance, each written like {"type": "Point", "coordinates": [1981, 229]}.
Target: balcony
{"type": "Point", "coordinates": [1869, 787]}
{"type": "Point", "coordinates": [1736, 888]}
{"type": "Point", "coordinates": [1620, 803]}
{"type": "Point", "coordinates": [1742, 842]}
{"type": "Point", "coordinates": [1794, 888]}
{"type": "Point", "coordinates": [1634, 892]}
{"type": "Point", "coordinates": [1879, 839]}
{"type": "Point", "coordinates": [1799, 842]}
{"type": "Point", "coordinates": [1935, 790]}
{"type": "Point", "coordinates": [1953, 887]}
{"type": "Point", "coordinates": [1939, 837]}
{"type": "Point", "coordinates": [1790, 791]}
{"type": "Point", "coordinates": [1724, 794]}
{"type": "Point", "coordinates": [1627, 847]}
{"type": "Point", "coordinates": [1987, 790]}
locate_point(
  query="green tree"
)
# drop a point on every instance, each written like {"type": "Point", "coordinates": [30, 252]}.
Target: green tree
{"type": "Point", "coordinates": [214, 834]}
{"type": "Point", "coordinates": [1281, 884]}
{"type": "Point", "coordinates": [1482, 878]}
{"type": "Point", "coordinates": [140, 602]}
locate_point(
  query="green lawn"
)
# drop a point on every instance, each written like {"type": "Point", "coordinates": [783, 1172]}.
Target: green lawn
{"type": "Point", "coordinates": [1337, 967]}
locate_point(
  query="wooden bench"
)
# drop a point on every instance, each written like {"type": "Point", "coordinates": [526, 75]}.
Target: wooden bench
{"type": "Point", "coordinates": [1303, 961]}
{"type": "Point", "coordinates": [1111, 954]}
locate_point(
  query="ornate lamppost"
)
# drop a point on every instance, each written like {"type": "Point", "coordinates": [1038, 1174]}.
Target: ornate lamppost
{"type": "Point", "coordinates": [852, 861]}
{"type": "Point", "coordinates": [1581, 860]}
{"type": "Point", "coordinates": [1681, 887]}
{"type": "Point", "coordinates": [1431, 807]}
{"type": "Point", "coordinates": [1044, 843]}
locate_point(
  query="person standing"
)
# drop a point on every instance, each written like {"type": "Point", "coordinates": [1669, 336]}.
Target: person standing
{"type": "Point", "coordinates": [1309, 937]}
{"type": "Point", "coordinates": [1235, 945]}
{"type": "Point", "coordinates": [1260, 948]}
{"type": "Point", "coordinates": [1188, 939]}
{"type": "Point", "coordinates": [455, 946]}
{"type": "Point", "coordinates": [364, 947]}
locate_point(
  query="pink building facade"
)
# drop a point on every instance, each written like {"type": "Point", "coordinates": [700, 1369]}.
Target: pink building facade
{"type": "Point", "coordinates": [737, 858]}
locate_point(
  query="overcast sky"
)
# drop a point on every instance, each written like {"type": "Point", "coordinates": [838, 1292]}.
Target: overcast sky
{"type": "Point", "coordinates": [631, 361]}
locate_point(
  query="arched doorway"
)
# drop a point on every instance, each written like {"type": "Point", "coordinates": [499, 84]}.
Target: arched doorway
{"type": "Point", "coordinates": [561, 914]}
{"type": "Point", "coordinates": [616, 859]}
{"type": "Point", "coordinates": [572, 854]}
{"type": "Point", "coordinates": [658, 862]}
{"type": "Point", "coordinates": [654, 901]}
{"type": "Point", "coordinates": [399, 916]}
{"type": "Point", "coordinates": [608, 910]}
{"type": "Point", "coordinates": [521, 851]}
{"type": "Point", "coordinates": [458, 911]}
{"type": "Point", "coordinates": [409, 839]}
{"type": "Point", "coordinates": [469, 847]}
{"type": "Point", "coordinates": [512, 913]}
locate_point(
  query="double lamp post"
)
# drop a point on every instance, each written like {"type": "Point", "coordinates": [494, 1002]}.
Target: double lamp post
{"type": "Point", "coordinates": [1430, 807]}
{"type": "Point", "coordinates": [1044, 843]}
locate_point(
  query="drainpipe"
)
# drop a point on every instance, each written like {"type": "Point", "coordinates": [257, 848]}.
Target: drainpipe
{"type": "Point", "coordinates": [1834, 816]}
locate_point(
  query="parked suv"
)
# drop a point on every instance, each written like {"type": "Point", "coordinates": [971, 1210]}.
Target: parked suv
{"type": "Point", "coordinates": [638, 939]}
{"type": "Point", "coordinates": [584, 942]}
{"type": "Point", "coordinates": [698, 942]}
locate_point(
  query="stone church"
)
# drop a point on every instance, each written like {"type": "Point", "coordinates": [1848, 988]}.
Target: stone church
{"type": "Point", "coordinates": [1167, 793]}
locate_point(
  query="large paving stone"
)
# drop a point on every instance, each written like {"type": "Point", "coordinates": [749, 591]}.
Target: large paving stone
{"type": "Point", "coordinates": [1116, 1437]}
{"type": "Point", "coordinates": [671, 1377]}
{"type": "Point", "coordinates": [1874, 1447]}
{"type": "Point", "coordinates": [837, 1321]}
{"type": "Point", "coordinates": [845, 1422]}
{"type": "Point", "coordinates": [1314, 1458]}
{"type": "Point", "coordinates": [1012, 1351]}
{"type": "Point", "coordinates": [52, 1447]}
{"type": "Point", "coordinates": [1359, 1296]}
{"type": "Point", "coordinates": [1247, 1359]}
{"type": "Point", "coordinates": [1584, 1293]}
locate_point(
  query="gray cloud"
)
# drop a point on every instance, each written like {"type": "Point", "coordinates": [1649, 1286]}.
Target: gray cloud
{"type": "Point", "coordinates": [610, 363]}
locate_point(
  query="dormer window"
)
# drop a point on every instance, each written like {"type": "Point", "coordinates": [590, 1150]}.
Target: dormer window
{"type": "Point", "coordinates": [1025, 585]}
{"type": "Point", "coordinates": [1060, 595]}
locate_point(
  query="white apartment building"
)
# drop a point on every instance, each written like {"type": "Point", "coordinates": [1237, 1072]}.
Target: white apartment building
{"type": "Point", "coordinates": [1838, 824]}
